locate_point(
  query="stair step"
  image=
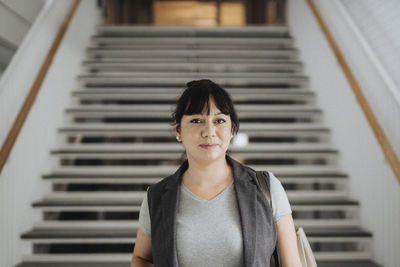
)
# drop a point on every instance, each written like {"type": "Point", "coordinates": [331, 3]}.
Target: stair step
{"type": "Point", "coordinates": [132, 225]}
{"type": "Point", "coordinates": [198, 31]}
{"type": "Point", "coordinates": [98, 225]}
{"type": "Point", "coordinates": [268, 66]}
{"type": "Point", "coordinates": [235, 97]}
{"type": "Point", "coordinates": [89, 115]}
{"type": "Point", "coordinates": [87, 112]}
{"type": "Point", "coordinates": [160, 156]}
{"type": "Point", "coordinates": [75, 263]}
{"type": "Point", "coordinates": [250, 150]}
{"type": "Point", "coordinates": [338, 262]}
{"type": "Point", "coordinates": [285, 158]}
{"type": "Point", "coordinates": [227, 42]}
{"type": "Point", "coordinates": [342, 256]}
{"type": "Point", "coordinates": [313, 222]}
{"type": "Point", "coordinates": [58, 206]}
{"type": "Point", "coordinates": [92, 116]}
{"type": "Point", "coordinates": [313, 233]}
{"type": "Point", "coordinates": [310, 134]}
{"type": "Point", "coordinates": [71, 137]}
{"type": "Point", "coordinates": [241, 108]}
{"type": "Point", "coordinates": [234, 91]}
{"type": "Point", "coordinates": [165, 81]}
{"type": "Point", "coordinates": [176, 81]}
{"type": "Point", "coordinates": [170, 73]}
{"type": "Point", "coordinates": [152, 126]}
{"type": "Point", "coordinates": [82, 233]}
{"type": "Point", "coordinates": [69, 202]}
{"type": "Point", "coordinates": [177, 90]}
{"type": "Point", "coordinates": [145, 110]}
{"type": "Point", "coordinates": [221, 46]}
{"type": "Point", "coordinates": [123, 260]}
{"type": "Point", "coordinates": [79, 229]}
{"type": "Point", "coordinates": [86, 138]}
{"type": "Point", "coordinates": [190, 74]}
{"type": "Point", "coordinates": [164, 171]}
{"type": "Point", "coordinates": [144, 101]}
{"type": "Point", "coordinates": [83, 258]}
{"type": "Point", "coordinates": [137, 197]}
{"type": "Point", "coordinates": [191, 60]}
{"type": "Point", "coordinates": [101, 179]}
{"type": "Point", "coordinates": [94, 52]}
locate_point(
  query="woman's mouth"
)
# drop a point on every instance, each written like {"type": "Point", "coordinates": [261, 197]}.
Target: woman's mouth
{"type": "Point", "coordinates": [207, 146]}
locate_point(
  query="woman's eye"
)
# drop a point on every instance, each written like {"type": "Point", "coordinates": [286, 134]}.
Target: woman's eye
{"type": "Point", "coordinates": [195, 121]}
{"type": "Point", "coordinates": [220, 121]}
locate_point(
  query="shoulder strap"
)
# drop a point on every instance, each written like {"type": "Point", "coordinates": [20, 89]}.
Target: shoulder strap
{"type": "Point", "coordinates": [263, 181]}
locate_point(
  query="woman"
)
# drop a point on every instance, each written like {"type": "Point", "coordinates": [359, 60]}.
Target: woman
{"type": "Point", "coordinates": [212, 212]}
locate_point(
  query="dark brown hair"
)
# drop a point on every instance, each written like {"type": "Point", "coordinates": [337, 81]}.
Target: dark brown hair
{"type": "Point", "coordinates": [196, 98]}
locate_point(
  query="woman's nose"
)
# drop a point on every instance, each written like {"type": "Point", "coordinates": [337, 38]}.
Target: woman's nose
{"type": "Point", "coordinates": [208, 130]}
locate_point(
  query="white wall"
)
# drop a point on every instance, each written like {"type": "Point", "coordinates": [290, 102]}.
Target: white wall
{"type": "Point", "coordinates": [376, 24]}
{"type": "Point", "coordinates": [371, 179]}
{"type": "Point", "coordinates": [16, 17]}
{"type": "Point", "coordinates": [20, 180]}
{"type": "Point", "coordinates": [379, 23]}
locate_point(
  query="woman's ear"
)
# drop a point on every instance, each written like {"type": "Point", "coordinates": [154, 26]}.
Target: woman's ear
{"type": "Point", "coordinates": [177, 132]}
{"type": "Point", "coordinates": [177, 128]}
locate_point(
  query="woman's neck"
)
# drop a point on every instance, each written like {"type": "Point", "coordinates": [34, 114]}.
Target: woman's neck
{"type": "Point", "coordinates": [207, 175]}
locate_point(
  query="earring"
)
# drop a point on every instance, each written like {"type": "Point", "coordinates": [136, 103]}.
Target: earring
{"type": "Point", "coordinates": [177, 138]}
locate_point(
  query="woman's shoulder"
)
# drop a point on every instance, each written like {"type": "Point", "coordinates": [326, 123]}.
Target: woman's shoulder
{"type": "Point", "coordinates": [162, 185]}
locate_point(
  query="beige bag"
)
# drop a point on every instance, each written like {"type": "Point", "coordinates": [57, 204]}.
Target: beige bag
{"type": "Point", "coordinates": [306, 255]}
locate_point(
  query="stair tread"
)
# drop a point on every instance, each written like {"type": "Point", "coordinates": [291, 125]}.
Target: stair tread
{"type": "Point", "coordinates": [234, 92]}
{"type": "Point", "coordinates": [192, 60]}
{"type": "Point", "coordinates": [65, 203]}
{"type": "Point", "coordinates": [62, 262]}
{"type": "Point", "coordinates": [99, 128]}
{"type": "Point", "coordinates": [134, 63]}
{"type": "Point", "coordinates": [192, 50]}
{"type": "Point", "coordinates": [352, 231]}
{"type": "Point", "coordinates": [80, 233]}
{"type": "Point", "coordinates": [170, 73]}
{"type": "Point", "coordinates": [167, 79]}
{"type": "Point", "coordinates": [163, 170]}
{"type": "Point", "coordinates": [193, 40]}
{"type": "Point", "coordinates": [176, 149]}
{"type": "Point", "coordinates": [56, 175]}
{"type": "Point", "coordinates": [351, 263]}
{"type": "Point", "coordinates": [125, 111]}
{"type": "Point", "coordinates": [165, 126]}
{"type": "Point", "coordinates": [144, 30]}
{"type": "Point", "coordinates": [244, 81]}
{"type": "Point", "coordinates": [124, 231]}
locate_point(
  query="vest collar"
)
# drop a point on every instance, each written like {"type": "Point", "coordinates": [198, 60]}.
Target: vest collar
{"type": "Point", "coordinates": [246, 193]}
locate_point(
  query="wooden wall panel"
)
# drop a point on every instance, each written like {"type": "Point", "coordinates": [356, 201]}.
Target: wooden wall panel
{"type": "Point", "coordinates": [185, 13]}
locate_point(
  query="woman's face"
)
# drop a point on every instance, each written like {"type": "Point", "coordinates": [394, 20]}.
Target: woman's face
{"type": "Point", "coordinates": [205, 137]}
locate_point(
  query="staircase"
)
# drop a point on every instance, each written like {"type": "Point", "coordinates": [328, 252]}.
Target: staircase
{"type": "Point", "coordinates": [118, 140]}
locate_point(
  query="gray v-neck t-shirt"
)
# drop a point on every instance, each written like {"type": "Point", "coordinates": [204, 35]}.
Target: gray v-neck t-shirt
{"type": "Point", "coordinates": [208, 232]}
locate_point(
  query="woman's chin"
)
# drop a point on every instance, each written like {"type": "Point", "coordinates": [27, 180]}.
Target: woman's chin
{"type": "Point", "coordinates": [209, 157]}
